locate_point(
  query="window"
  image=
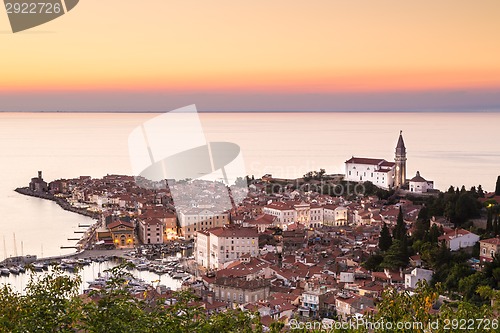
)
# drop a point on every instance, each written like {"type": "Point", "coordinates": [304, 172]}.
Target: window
{"type": "Point", "coordinates": [484, 251]}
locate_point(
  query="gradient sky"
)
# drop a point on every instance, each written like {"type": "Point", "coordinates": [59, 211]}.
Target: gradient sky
{"type": "Point", "coordinates": [320, 55]}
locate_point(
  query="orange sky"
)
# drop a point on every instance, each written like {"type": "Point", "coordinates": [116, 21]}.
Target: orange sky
{"type": "Point", "coordinates": [321, 46]}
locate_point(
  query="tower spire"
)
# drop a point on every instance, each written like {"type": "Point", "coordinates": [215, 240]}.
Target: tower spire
{"type": "Point", "coordinates": [400, 159]}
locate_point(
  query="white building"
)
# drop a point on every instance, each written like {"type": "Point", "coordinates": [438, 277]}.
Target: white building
{"type": "Point", "coordinates": [218, 246]}
{"type": "Point", "coordinates": [316, 217]}
{"type": "Point", "coordinates": [418, 274]}
{"type": "Point", "coordinates": [286, 213]}
{"type": "Point", "coordinates": [418, 184]}
{"type": "Point", "coordinates": [457, 239]}
{"type": "Point", "coordinates": [378, 171]}
{"type": "Point", "coordinates": [197, 219]}
{"type": "Point", "coordinates": [335, 215]}
{"type": "Point", "coordinates": [311, 302]}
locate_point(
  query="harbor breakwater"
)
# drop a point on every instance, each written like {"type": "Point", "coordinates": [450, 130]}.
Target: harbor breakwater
{"type": "Point", "coordinates": [60, 201]}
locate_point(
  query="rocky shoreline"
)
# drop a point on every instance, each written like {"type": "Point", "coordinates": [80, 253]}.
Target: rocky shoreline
{"type": "Point", "coordinates": [60, 201]}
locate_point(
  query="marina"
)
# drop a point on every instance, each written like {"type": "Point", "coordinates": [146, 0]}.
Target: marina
{"type": "Point", "coordinates": [167, 271]}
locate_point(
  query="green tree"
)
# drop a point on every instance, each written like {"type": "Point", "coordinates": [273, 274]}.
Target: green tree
{"type": "Point", "coordinates": [489, 221]}
{"type": "Point", "coordinates": [50, 304]}
{"type": "Point", "coordinates": [480, 191]}
{"type": "Point", "coordinates": [373, 262]}
{"type": "Point", "coordinates": [399, 231]}
{"type": "Point", "coordinates": [385, 239]}
{"type": "Point", "coordinates": [396, 256]}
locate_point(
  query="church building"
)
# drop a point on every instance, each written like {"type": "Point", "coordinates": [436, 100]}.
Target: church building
{"type": "Point", "coordinates": [380, 172]}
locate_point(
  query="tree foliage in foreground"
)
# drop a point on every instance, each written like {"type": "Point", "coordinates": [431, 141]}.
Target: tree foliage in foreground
{"type": "Point", "coordinates": [51, 304]}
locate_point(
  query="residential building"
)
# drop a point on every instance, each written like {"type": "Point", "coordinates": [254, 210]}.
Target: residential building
{"type": "Point", "coordinates": [417, 274]}
{"type": "Point", "coordinates": [151, 231]}
{"type": "Point", "coordinates": [240, 290]}
{"type": "Point", "coordinates": [217, 246]}
{"type": "Point", "coordinates": [335, 215]}
{"type": "Point", "coordinates": [197, 219]}
{"type": "Point", "coordinates": [261, 222]}
{"type": "Point", "coordinates": [348, 304]}
{"type": "Point", "coordinates": [311, 302]}
{"type": "Point", "coordinates": [315, 217]}
{"type": "Point", "coordinates": [488, 248]}
{"type": "Point", "coordinates": [284, 212]}
{"type": "Point", "coordinates": [456, 239]}
{"type": "Point", "coordinates": [288, 213]}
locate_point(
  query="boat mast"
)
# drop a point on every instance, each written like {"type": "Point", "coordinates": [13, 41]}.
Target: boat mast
{"type": "Point", "coordinates": [15, 245]}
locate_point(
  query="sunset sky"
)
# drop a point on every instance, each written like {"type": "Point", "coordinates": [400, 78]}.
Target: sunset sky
{"type": "Point", "coordinates": [233, 55]}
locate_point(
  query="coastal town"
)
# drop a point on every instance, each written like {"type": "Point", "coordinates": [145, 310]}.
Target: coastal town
{"type": "Point", "coordinates": [317, 248]}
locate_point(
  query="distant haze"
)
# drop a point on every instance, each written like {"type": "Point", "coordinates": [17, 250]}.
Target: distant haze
{"type": "Point", "coordinates": [218, 101]}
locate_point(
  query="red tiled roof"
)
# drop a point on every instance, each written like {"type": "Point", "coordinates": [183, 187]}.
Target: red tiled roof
{"type": "Point", "coordinates": [118, 223]}
{"type": "Point", "coordinates": [494, 241]}
{"type": "Point", "coordinates": [388, 164]}
{"type": "Point", "coordinates": [234, 231]}
{"type": "Point", "coordinates": [363, 160]}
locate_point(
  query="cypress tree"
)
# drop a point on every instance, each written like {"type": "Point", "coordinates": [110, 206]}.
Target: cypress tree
{"type": "Point", "coordinates": [385, 239]}
{"type": "Point", "coordinates": [496, 225]}
{"type": "Point", "coordinates": [489, 224]}
{"type": "Point", "coordinates": [497, 189]}
{"type": "Point", "coordinates": [399, 232]}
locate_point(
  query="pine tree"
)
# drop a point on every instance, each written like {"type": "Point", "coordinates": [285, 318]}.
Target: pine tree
{"type": "Point", "coordinates": [385, 239]}
{"type": "Point", "coordinates": [480, 191]}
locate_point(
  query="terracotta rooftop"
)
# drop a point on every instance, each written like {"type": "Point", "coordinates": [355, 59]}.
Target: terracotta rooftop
{"type": "Point", "coordinates": [494, 241]}
{"type": "Point", "coordinates": [233, 231]}
{"type": "Point", "coordinates": [363, 160]}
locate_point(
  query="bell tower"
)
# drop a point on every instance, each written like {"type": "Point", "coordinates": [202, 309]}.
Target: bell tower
{"type": "Point", "coordinates": [400, 159]}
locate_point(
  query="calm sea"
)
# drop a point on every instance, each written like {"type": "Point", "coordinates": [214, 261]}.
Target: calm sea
{"type": "Point", "coordinates": [449, 148]}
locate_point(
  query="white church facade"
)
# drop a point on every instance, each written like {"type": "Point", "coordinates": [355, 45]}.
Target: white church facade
{"type": "Point", "coordinates": [419, 184]}
{"type": "Point", "coordinates": [382, 173]}
{"type": "Point", "coordinates": [378, 171]}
